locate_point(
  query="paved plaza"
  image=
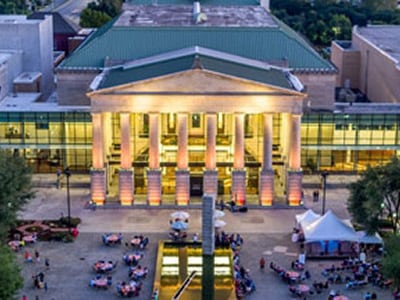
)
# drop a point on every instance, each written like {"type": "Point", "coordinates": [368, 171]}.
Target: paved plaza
{"type": "Point", "coordinates": [266, 232]}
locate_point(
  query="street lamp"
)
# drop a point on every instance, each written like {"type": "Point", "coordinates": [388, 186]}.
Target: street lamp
{"type": "Point", "coordinates": [67, 173]}
{"type": "Point", "coordinates": [324, 174]}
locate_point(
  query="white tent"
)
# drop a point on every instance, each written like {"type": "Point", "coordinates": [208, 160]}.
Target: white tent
{"type": "Point", "coordinates": [306, 217]}
{"type": "Point", "coordinates": [369, 239]}
{"type": "Point", "coordinates": [329, 228]}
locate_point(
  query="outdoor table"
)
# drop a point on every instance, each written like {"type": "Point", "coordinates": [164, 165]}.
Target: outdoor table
{"type": "Point", "coordinates": [30, 238]}
{"type": "Point", "coordinates": [303, 288]}
{"type": "Point", "coordinates": [293, 275]}
{"type": "Point", "coordinates": [135, 242]}
{"type": "Point", "coordinates": [113, 238]}
{"type": "Point", "coordinates": [340, 297]}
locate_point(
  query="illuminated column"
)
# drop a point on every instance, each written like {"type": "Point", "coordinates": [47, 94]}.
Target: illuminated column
{"type": "Point", "coordinates": [98, 172]}
{"type": "Point", "coordinates": [107, 141]}
{"type": "Point", "coordinates": [126, 170]}
{"type": "Point", "coordinates": [210, 181]}
{"type": "Point", "coordinates": [267, 173]}
{"type": "Point", "coordinates": [239, 173]}
{"type": "Point", "coordinates": [294, 172]}
{"type": "Point", "coordinates": [182, 173]}
{"type": "Point", "coordinates": [154, 171]}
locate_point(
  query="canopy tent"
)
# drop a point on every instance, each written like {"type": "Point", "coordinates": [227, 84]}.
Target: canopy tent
{"type": "Point", "coordinates": [306, 217]}
{"type": "Point", "coordinates": [369, 239]}
{"type": "Point", "coordinates": [329, 228]}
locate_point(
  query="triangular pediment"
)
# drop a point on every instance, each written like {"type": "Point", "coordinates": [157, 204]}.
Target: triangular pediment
{"type": "Point", "coordinates": [198, 81]}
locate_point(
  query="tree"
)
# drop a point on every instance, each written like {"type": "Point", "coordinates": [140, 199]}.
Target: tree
{"type": "Point", "coordinates": [93, 18]}
{"type": "Point", "coordinates": [10, 277]}
{"type": "Point", "coordinates": [15, 190]}
{"type": "Point", "coordinates": [376, 195]}
{"type": "Point", "coordinates": [390, 262]}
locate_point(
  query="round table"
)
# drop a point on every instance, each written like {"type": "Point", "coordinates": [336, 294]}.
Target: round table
{"type": "Point", "coordinates": [304, 288]}
{"type": "Point", "coordinates": [135, 242]}
{"type": "Point", "coordinates": [293, 275]}
{"type": "Point", "coordinates": [340, 298]}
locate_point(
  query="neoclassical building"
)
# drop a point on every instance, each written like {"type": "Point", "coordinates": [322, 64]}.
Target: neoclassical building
{"type": "Point", "coordinates": [171, 100]}
{"type": "Point", "coordinates": [187, 100]}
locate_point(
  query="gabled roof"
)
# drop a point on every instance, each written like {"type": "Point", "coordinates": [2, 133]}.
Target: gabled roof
{"type": "Point", "coordinates": [61, 25]}
{"type": "Point", "coordinates": [329, 228]}
{"type": "Point", "coordinates": [266, 40]}
{"type": "Point", "coordinates": [198, 58]}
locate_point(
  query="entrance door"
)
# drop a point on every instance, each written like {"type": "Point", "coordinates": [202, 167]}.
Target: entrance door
{"type": "Point", "coordinates": [196, 186]}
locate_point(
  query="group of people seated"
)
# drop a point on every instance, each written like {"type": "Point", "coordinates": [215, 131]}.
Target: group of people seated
{"type": "Point", "coordinates": [138, 272]}
{"type": "Point", "coordinates": [234, 241]}
{"type": "Point", "coordinates": [297, 265]}
{"type": "Point", "coordinates": [16, 245]}
{"type": "Point", "coordinates": [139, 241]}
{"type": "Point", "coordinates": [286, 275]}
{"type": "Point", "coordinates": [102, 266]}
{"type": "Point", "coordinates": [177, 235]}
{"type": "Point", "coordinates": [101, 282]}
{"type": "Point", "coordinates": [132, 259]}
{"type": "Point", "coordinates": [38, 280]}
{"type": "Point", "coordinates": [129, 289]}
{"type": "Point", "coordinates": [111, 238]}
{"type": "Point", "coordinates": [244, 284]}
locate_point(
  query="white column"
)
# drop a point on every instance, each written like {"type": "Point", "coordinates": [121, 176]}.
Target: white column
{"type": "Point", "coordinates": [98, 172]}
{"type": "Point", "coordinates": [154, 171]}
{"type": "Point", "coordinates": [295, 175]}
{"type": "Point", "coordinates": [211, 153]}
{"type": "Point", "coordinates": [182, 159]}
{"type": "Point", "coordinates": [238, 161]}
{"type": "Point", "coordinates": [98, 141]}
{"type": "Point", "coordinates": [295, 142]}
{"type": "Point", "coordinates": [210, 179]}
{"type": "Point", "coordinates": [126, 148]}
{"type": "Point", "coordinates": [182, 174]}
{"type": "Point", "coordinates": [154, 136]}
{"type": "Point", "coordinates": [126, 172]}
{"type": "Point", "coordinates": [267, 141]}
{"type": "Point", "coordinates": [266, 190]}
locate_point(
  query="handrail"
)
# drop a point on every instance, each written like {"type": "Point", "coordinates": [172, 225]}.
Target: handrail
{"type": "Point", "coordinates": [184, 285]}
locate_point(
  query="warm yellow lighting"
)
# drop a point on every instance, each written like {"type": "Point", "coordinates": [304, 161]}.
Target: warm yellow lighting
{"type": "Point", "coordinates": [198, 269]}
{"type": "Point", "coordinates": [222, 271]}
{"type": "Point", "coordinates": [222, 260]}
{"type": "Point", "coordinates": [170, 260]}
{"type": "Point", "coordinates": [195, 260]}
{"type": "Point", "coordinates": [168, 271]}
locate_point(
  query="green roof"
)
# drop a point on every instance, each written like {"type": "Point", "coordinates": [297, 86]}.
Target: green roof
{"type": "Point", "coordinates": [187, 59]}
{"type": "Point", "coordinates": [274, 44]}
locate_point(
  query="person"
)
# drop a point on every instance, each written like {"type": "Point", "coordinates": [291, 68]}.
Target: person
{"type": "Point", "coordinates": [47, 263]}
{"type": "Point", "coordinates": [28, 256]}
{"type": "Point", "coordinates": [262, 263]}
{"type": "Point", "coordinates": [155, 295]}
{"type": "Point", "coordinates": [45, 286]}
{"type": "Point", "coordinates": [367, 296]}
{"type": "Point", "coordinates": [221, 204]}
{"type": "Point", "coordinates": [195, 238]}
{"type": "Point", "coordinates": [374, 296]}
{"type": "Point", "coordinates": [37, 256]}
{"type": "Point", "coordinates": [24, 297]}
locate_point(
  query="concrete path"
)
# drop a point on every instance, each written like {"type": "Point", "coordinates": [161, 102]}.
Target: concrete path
{"type": "Point", "coordinates": [266, 233]}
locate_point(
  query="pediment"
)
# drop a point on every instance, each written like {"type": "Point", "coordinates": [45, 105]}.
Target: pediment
{"type": "Point", "coordinates": [197, 81]}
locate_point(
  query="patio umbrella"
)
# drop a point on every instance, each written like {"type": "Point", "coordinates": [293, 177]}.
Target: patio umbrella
{"type": "Point", "coordinates": [219, 223]}
{"type": "Point", "coordinates": [179, 225]}
{"type": "Point", "coordinates": [218, 214]}
{"type": "Point", "coordinates": [182, 215]}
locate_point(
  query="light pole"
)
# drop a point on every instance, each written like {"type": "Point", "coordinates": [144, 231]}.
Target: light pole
{"type": "Point", "coordinates": [324, 174]}
{"type": "Point", "coordinates": [67, 173]}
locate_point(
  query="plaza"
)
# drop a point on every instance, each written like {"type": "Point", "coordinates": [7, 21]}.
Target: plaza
{"type": "Point", "coordinates": [266, 232]}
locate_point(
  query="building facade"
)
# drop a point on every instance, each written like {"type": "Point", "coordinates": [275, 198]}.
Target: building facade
{"type": "Point", "coordinates": [170, 101]}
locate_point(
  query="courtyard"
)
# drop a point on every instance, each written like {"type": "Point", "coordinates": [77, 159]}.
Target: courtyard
{"type": "Point", "coordinates": [266, 232]}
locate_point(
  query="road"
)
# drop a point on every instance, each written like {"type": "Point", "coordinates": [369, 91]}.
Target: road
{"type": "Point", "coordinates": [69, 8]}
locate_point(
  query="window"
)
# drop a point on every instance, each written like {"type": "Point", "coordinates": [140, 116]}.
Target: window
{"type": "Point", "coordinates": [196, 121]}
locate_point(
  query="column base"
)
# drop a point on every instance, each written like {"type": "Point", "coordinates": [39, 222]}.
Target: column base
{"type": "Point", "coordinates": [294, 187]}
{"type": "Point", "coordinates": [98, 183]}
{"type": "Point", "coordinates": [210, 182]}
{"type": "Point", "coordinates": [182, 186]}
{"type": "Point", "coordinates": [208, 230]}
{"type": "Point", "coordinates": [266, 193]}
{"type": "Point", "coordinates": [239, 186]}
{"type": "Point", "coordinates": [154, 187]}
{"type": "Point", "coordinates": [126, 186]}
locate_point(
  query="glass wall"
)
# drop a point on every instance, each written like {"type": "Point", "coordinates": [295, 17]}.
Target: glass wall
{"type": "Point", "coordinates": [49, 140]}
{"type": "Point", "coordinates": [348, 142]}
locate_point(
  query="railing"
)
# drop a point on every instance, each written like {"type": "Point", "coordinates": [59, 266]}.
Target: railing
{"type": "Point", "coordinates": [184, 285]}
